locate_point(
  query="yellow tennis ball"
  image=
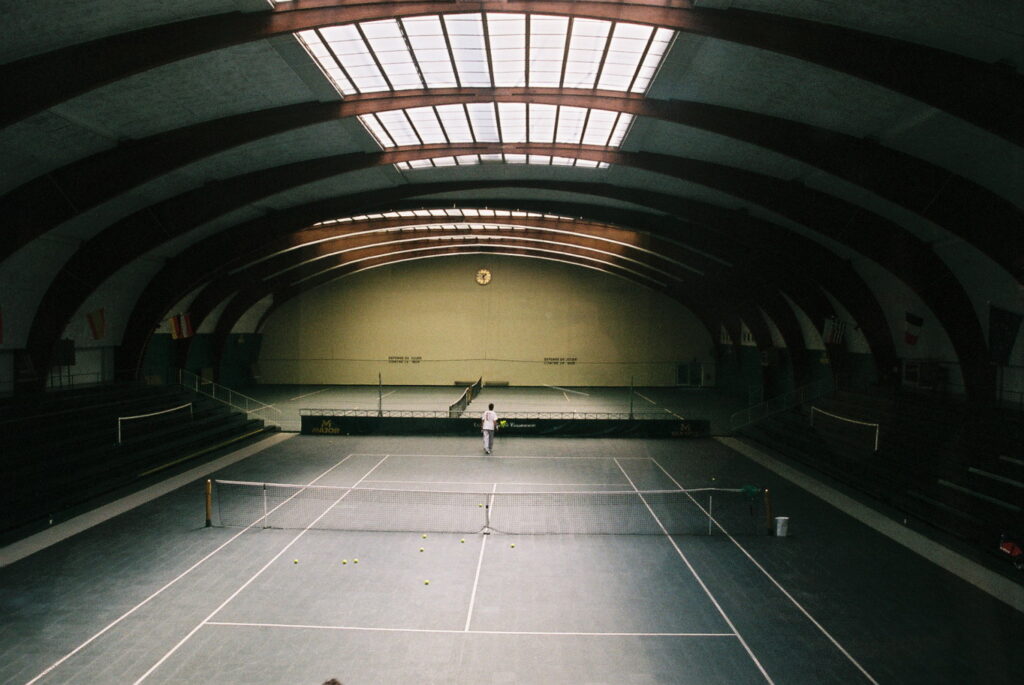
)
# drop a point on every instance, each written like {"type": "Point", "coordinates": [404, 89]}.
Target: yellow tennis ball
{"type": "Point", "coordinates": [344, 561]}
{"type": "Point", "coordinates": [512, 546]}
{"type": "Point", "coordinates": [421, 549]}
{"type": "Point", "coordinates": [424, 536]}
{"type": "Point", "coordinates": [426, 582]}
{"type": "Point", "coordinates": [295, 561]}
{"type": "Point", "coordinates": [462, 540]}
{"type": "Point", "coordinates": [355, 561]}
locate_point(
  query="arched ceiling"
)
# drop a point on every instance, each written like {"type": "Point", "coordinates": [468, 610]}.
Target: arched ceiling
{"type": "Point", "coordinates": [783, 152]}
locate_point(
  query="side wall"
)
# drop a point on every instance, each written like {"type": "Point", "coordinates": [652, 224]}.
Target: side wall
{"type": "Point", "coordinates": [429, 323]}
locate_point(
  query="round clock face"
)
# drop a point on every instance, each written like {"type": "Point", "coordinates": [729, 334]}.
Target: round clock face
{"type": "Point", "coordinates": [483, 276]}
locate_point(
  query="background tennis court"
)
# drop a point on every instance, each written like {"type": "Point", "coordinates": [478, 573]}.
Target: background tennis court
{"type": "Point", "coordinates": [692, 403]}
{"type": "Point", "coordinates": [154, 595]}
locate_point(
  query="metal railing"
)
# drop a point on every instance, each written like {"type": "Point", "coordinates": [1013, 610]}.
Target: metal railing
{"type": "Point", "coordinates": [781, 403]}
{"type": "Point", "coordinates": [252, 407]}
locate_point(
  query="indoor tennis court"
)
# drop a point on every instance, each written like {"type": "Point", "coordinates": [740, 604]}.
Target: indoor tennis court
{"type": "Point", "coordinates": [153, 595]}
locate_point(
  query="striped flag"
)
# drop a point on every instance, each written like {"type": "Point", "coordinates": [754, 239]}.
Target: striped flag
{"type": "Point", "coordinates": [912, 328]}
{"type": "Point", "coordinates": [186, 325]}
{"type": "Point", "coordinates": [175, 322]}
{"type": "Point", "coordinates": [834, 331]}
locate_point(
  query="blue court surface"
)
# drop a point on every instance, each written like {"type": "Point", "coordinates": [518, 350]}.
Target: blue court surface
{"type": "Point", "coordinates": [153, 595]}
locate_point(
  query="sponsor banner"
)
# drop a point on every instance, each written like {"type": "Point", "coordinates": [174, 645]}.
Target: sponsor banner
{"type": "Point", "coordinates": [374, 425]}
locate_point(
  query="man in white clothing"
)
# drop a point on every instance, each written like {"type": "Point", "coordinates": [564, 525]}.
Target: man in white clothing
{"type": "Point", "coordinates": [490, 422]}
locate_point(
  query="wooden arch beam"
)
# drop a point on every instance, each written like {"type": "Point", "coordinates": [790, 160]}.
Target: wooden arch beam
{"type": "Point", "coordinates": [949, 200]}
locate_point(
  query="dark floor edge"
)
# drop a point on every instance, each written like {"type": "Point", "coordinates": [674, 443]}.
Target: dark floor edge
{"type": "Point", "coordinates": [990, 582]}
{"type": "Point", "coordinates": [51, 536]}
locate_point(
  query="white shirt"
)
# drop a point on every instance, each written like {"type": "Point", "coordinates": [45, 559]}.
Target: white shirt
{"type": "Point", "coordinates": [490, 418]}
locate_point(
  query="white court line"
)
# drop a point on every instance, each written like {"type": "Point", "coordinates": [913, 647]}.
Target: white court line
{"type": "Point", "coordinates": [308, 394]}
{"type": "Point", "coordinates": [491, 459]}
{"type": "Point", "coordinates": [699, 580]}
{"type": "Point", "coordinates": [146, 601]}
{"type": "Point", "coordinates": [641, 395]}
{"type": "Point", "coordinates": [776, 583]}
{"type": "Point", "coordinates": [479, 564]}
{"type": "Point", "coordinates": [298, 626]}
{"type": "Point", "coordinates": [474, 482]}
{"type": "Point", "coordinates": [565, 390]}
{"type": "Point", "coordinates": [254, 577]}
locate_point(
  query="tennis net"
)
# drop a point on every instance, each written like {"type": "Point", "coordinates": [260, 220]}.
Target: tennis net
{"type": "Point", "coordinates": [706, 511]}
{"type": "Point", "coordinates": [458, 406]}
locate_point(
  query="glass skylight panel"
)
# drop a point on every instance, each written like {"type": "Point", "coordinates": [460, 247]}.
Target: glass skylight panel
{"type": "Point", "coordinates": [571, 121]}
{"type": "Point", "coordinates": [659, 45]}
{"type": "Point", "coordinates": [485, 121]}
{"type": "Point", "coordinates": [386, 41]}
{"type": "Point", "coordinates": [398, 127]}
{"type": "Point", "coordinates": [547, 50]}
{"type": "Point", "coordinates": [586, 48]}
{"type": "Point", "coordinates": [507, 33]}
{"type": "Point", "coordinates": [489, 122]}
{"type": "Point", "coordinates": [354, 55]}
{"type": "Point", "coordinates": [499, 158]}
{"type": "Point", "coordinates": [513, 121]}
{"type": "Point", "coordinates": [455, 122]}
{"type": "Point", "coordinates": [373, 125]}
{"type": "Point", "coordinates": [466, 36]}
{"type": "Point", "coordinates": [624, 53]}
{"type": "Point", "coordinates": [599, 127]}
{"type": "Point", "coordinates": [542, 123]}
{"type": "Point", "coordinates": [428, 128]}
{"type": "Point", "coordinates": [426, 36]}
{"type": "Point", "coordinates": [515, 50]}
{"type": "Point", "coordinates": [621, 128]}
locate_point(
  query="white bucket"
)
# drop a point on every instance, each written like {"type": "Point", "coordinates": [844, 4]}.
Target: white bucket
{"type": "Point", "coordinates": [781, 526]}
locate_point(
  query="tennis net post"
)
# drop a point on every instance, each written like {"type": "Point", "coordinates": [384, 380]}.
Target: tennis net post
{"type": "Point", "coordinates": [209, 503]}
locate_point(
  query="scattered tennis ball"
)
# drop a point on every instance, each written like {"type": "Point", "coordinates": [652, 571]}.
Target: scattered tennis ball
{"type": "Point", "coordinates": [355, 561]}
{"type": "Point", "coordinates": [480, 505]}
{"type": "Point", "coordinates": [424, 536]}
{"type": "Point", "coordinates": [421, 549]}
{"type": "Point", "coordinates": [512, 546]}
{"type": "Point", "coordinates": [295, 561]}
{"type": "Point", "coordinates": [462, 540]}
{"type": "Point", "coordinates": [344, 561]}
{"type": "Point", "coordinates": [426, 582]}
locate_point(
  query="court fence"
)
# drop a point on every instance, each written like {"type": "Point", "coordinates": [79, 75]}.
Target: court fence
{"type": "Point", "coordinates": [251, 407]}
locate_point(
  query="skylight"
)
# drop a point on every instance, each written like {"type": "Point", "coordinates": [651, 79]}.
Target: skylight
{"type": "Point", "coordinates": [447, 212]}
{"type": "Point", "coordinates": [470, 160]}
{"type": "Point", "coordinates": [488, 49]}
{"type": "Point", "coordinates": [497, 122]}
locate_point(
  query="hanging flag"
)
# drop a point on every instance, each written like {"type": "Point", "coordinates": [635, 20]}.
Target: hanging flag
{"type": "Point", "coordinates": [834, 331]}
{"type": "Point", "coordinates": [186, 325]}
{"type": "Point", "coordinates": [912, 329]}
{"type": "Point", "coordinates": [97, 323]}
{"type": "Point", "coordinates": [175, 322]}
{"type": "Point", "coordinates": [1003, 326]}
